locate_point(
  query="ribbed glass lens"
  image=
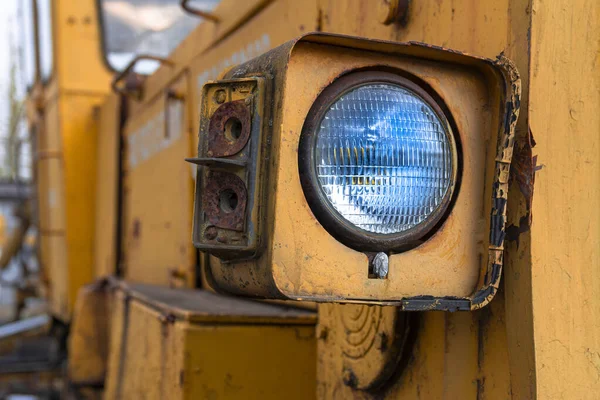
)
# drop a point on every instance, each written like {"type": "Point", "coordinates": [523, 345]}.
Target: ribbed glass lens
{"type": "Point", "coordinates": [383, 158]}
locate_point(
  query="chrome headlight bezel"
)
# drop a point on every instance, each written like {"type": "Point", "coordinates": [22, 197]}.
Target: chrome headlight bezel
{"type": "Point", "coordinates": [338, 226]}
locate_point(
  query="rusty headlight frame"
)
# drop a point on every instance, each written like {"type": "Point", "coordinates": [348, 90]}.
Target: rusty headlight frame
{"type": "Point", "coordinates": [290, 255]}
{"type": "Point", "coordinates": [331, 219]}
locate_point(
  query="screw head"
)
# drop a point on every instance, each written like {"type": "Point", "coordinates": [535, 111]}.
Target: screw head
{"type": "Point", "coordinates": [210, 233]}
{"type": "Point", "coordinates": [220, 96]}
{"type": "Point", "coordinates": [380, 265]}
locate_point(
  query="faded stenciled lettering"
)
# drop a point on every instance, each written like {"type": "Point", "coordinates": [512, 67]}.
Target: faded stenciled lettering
{"type": "Point", "coordinates": [155, 136]}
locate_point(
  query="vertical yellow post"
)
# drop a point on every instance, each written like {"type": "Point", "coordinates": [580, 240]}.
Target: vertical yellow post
{"type": "Point", "coordinates": [67, 152]}
{"type": "Point", "coordinates": [564, 119]}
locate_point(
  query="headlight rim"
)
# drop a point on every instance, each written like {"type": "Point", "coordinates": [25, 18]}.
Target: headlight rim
{"type": "Point", "coordinates": [340, 228]}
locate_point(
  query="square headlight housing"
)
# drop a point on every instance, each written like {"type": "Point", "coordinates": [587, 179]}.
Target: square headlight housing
{"type": "Point", "coordinates": [374, 172]}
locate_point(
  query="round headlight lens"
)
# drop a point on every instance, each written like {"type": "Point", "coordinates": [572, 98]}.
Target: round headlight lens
{"type": "Point", "coordinates": [383, 157]}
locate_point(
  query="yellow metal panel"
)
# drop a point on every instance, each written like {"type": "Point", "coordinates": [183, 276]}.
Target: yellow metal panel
{"type": "Point", "coordinates": [455, 356]}
{"type": "Point", "coordinates": [517, 260]}
{"type": "Point", "coordinates": [49, 141]}
{"type": "Point", "coordinates": [79, 128]}
{"type": "Point", "coordinates": [54, 258]}
{"type": "Point", "coordinates": [52, 219]}
{"type": "Point", "coordinates": [66, 162]}
{"type": "Point", "coordinates": [119, 314]}
{"type": "Point", "coordinates": [107, 186]}
{"type": "Point", "coordinates": [484, 28]}
{"type": "Point", "coordinates": [565, 226]}
{"type": "Point", "coordinates": [164, 355]}
{"type": "Point", "coordinates": [51, 195]}
{"type": "Point", "coordinates": [473, 26]}
{"type": "Point", "coordinates": [79, 65]}
{"type": "Point", "coordinates": [88, 338]}
{"type": "Point", "coordinates": [157, 197]}
{"type": "Point", "coordinates": [279, 22]}
{"type": "Point", "coordinates": [250, 362]}
{"type": "Point", "coordinates": [49, 167]}
{"type": "Point", "coordinates": [156, 205]}
{"type": "Point", "coordinates": [493, 375]}
{"type": "Point", "coordinates": [143, 360]}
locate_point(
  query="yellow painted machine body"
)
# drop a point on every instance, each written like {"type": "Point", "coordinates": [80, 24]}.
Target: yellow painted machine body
{"type": "Point", "coordinates": [63, 111]}
{"type": "Point", "coordinates": [115, 201]}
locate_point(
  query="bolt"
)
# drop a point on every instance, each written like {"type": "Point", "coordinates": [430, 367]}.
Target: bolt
{"type": "Point", "coordinates": [220, 96]}
{"type": "Point", "coordinates": [392, 11]}
{"type": "Point", "coordinates": [210, 233]}
{"type": "Point", "coordinates": [380, 265]}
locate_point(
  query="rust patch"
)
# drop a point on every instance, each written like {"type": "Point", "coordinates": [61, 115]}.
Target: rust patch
{"type": "Point", "coordinates": [524, 167]}
{"type": "Point", "coordinates": [523, 174]}
{"type": "Point", "coordinates": [229, 129]}
{"type": "Point", "coordinates": [224, 200]}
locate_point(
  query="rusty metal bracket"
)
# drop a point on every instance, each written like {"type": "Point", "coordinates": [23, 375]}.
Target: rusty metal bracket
{"type": "Point", "coordinates": [228, 208]}
{"type": "Point", "coordinates": [199, 13]}
{"type": "Point", "coordinates": [229, 129]}
{"type": "Point", "coordinates": [133, 82]}
{"type": "Point", "coordinates": [224, 200]}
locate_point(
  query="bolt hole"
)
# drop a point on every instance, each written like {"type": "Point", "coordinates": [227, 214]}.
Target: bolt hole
{"type": "Point", "coordinates": [228, 201]}
{"type": "Point", "coordinates": [233, 129]}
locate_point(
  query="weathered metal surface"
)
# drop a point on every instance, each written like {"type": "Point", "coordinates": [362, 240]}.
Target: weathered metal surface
{"type": "Point", "coordinates": [367, 345]}
{"type": "Point", "coordinates": [561, 251]}
{"type": "Point", "coordinates": [551, 256]}
{"type": "Point", "coordinates": [224, 200]}
{"type": "Point", "coordinates": [89, 333]}
{"type": "Point", "coordinates": [67, 132]}
{"type": "Point", "coordinates": [108, 182]}
{"type": "Point", "coordinates": [208, 307]}
{"type": "Point", "coordinates": [229, 211]}
{"type": "Point", "coordinates": [229, 128]}
{"type": "Point", "coordinates": [157, 190]}
{"type": "Point", "coordinates": [161, 201]}
{"type": "Point", "coordinates": [450, 270]}
{"type": "Point", "coordinates": [182, 344]}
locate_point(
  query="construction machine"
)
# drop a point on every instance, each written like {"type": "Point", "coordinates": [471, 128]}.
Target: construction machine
{"type": "Point", "coordinates": [317, 199]}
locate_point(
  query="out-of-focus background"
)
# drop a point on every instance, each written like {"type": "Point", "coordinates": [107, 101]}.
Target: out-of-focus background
{"type": "Point", "coordinates": [131, 27]}
{"type": "Point", "coordinates": [15, 158]}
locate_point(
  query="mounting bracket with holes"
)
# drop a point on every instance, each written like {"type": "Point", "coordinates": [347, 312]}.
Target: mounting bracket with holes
{"type": "Point", "coordinates": [227, 212]}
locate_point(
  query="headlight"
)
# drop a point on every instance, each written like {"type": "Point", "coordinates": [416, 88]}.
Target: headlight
{"type": "Point", "coordinates": [377, 161]}
{"type": "Point", "coordinates": [373, 172]}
